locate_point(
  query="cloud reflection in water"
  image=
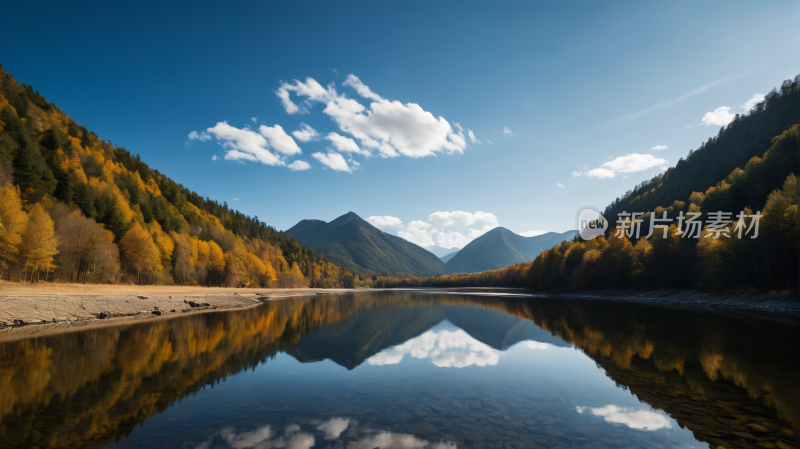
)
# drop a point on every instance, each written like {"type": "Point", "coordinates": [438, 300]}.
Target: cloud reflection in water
{"type": "Point", "coordinates": [641, 419]}
{"type": "Point", "coordinates": [293, 438]}
{"type": "Point", "coordinates": [445, 348]}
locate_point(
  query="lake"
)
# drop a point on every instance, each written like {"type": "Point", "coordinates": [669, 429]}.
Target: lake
{"type": "Point", "coordinates": [410, 370]}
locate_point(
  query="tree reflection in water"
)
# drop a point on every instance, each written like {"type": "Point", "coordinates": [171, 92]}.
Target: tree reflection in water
{"type": "Point", "coordinates": [728, 377]}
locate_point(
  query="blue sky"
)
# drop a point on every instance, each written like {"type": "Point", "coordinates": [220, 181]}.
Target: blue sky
{"type": "Point", "coordinates": [579, 85]}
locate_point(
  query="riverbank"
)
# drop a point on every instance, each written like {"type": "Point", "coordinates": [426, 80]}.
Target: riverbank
{"type": "Point", "coordinates": [781, 302]}
{"type": "Point", "coordinates": [34, 309]}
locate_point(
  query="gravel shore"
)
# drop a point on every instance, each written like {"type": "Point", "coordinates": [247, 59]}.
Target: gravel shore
{"type": "Point", "coordinates": [28, 315]}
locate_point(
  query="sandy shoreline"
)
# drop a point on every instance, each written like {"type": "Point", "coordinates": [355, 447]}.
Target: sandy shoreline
{"type": "Point", "coordinates": [28, 310]}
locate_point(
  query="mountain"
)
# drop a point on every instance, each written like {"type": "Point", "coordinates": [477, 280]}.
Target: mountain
{"type": "Point", "coordinates": [362, 248]}
{"type": "Point", "coordinates": [446, 258]}
{"type": "Point", "coordinates": [106, 216]}
{"type": "Point", "coordinates": [500, 248]}
{"type": "Point", "coordinates": [438, 251]}
{"type": "Point", "coordinates": [355, 339]}
{"type": "Point", "coordinates": [302, 226]}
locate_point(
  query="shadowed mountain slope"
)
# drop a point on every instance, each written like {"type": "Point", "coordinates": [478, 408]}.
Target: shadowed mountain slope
{"type": "Point", "coordinates": [360, 247]}
{"type": "Point", "coordinates": [353, 340]}
{"type": "Point", "coordinates": [500, 248]}
{"type": "Point", "coordinates": [446, 258]}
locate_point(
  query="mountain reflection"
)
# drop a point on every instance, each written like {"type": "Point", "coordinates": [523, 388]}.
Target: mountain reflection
{"type": "Point", "coordinates": [729, 378]}
{"type": "Point", "coordinates": [445, 348]}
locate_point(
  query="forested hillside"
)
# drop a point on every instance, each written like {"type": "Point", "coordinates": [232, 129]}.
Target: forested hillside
{"type": "Point", "coordinates": [735, 146]}
{"type": "Point", "coordinates": [76, 208]}
{"type": "Point", "coordinates": [750, 167]}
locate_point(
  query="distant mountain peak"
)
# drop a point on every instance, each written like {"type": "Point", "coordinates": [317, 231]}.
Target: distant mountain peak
{"type": "Point", "coordinates": [501, 247]}
{"type": "Point", "coordinates": [357, 245]}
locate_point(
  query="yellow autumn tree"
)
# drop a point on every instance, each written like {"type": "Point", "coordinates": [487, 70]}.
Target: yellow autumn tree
{"type": "Point", "coordinates": [269, 272]}
{"type": "Point", "coordinates": [140, 254]}
{"type": "Point", "coordinates": [12, 222]}
{"type": "Point", "coordinates": [39, 243]}
{"type": "Point", "coordinates": [164, 244]}
{"type": "Point", "coordinates": [216, 263]}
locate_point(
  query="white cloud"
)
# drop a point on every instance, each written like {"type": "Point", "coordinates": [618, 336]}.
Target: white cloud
{"type": "Point", "coordinates": [659, 148]}
{"type": "Point", "coordinates": [214, 157]}
{"type": "Point", "coordinates": [599, 173]}
{"type": "Point", "coordinates": [423, 234]}
{"type": "Point", "coordinates": [334, 427]}
{"type": "Point", "coordinates": [385, 221]}
{"type": "Point", "coordinates": [203, 137]}
{"type": "Point", "coordinates": [490, 142]}
{"type": "Point", "coordinates": [641, 419]}
{"type": "Point", "coordinates": [452, 239]}
{"type": "Point", "coordinates": [718, 117]}
{"type": "Point", "coordinates": [389, 127]}
{"type": "Point", "coordinates": [254, 119]}
{"type": "Point", "coordinates": [334, 161]}
{"type": "Point", "coordinates": [507, 131]}
{"type": "Point", "coordinates": [305, 133]}
{"type": "Point", "coordinates": [472, 137]}
{"type": "Point", "coordinates": [419, 233]}
{"type": "Point", "coordinates": [444, 348]}
{"type": "Point", "coordinates": [279, 140]}
{"type": "Point", "coordinates": [751, 103]}
{"type": "Point", "coordinates": [533, 233]}
{"type": "Point", "coordinates": [633, 163]}
{"type": "Point", "coordinates": [311, 89]}
{"type": "Point", "coordinates": [346, 144]}
{"type": "Point", "coordinates": [461, 218]}
{"type": "Point", "coordinates": [243, 144]}
{"type": "Point", "coordinates": [299, 165]}
{"type": "Point", "coordinates": [630, 163]}
{"type": "Point", "coordinates": [558, 184]}
{"type": "Point", "coordinates": [455, 239]}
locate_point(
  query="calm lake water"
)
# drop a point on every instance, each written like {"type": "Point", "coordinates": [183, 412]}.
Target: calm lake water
{"type": "Point", "coordinates": [410, 370]}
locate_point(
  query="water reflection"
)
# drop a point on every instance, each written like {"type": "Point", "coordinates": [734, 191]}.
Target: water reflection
{"type": "Point", "coordinates": [729, 378]}
{"type": "Point", "coordinates": [446, 346]}
{"type": "Point", "coordinates": [332, 432]}
{"type": "Point", "coordinates": [639, 419]}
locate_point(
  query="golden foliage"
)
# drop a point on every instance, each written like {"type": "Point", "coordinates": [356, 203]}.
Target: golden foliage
{"type": "Point", "coordinates": [140, 253]}
{"type": "Point", "coordinates": [39, 243]}
{"type": "Point", "coordinates": [12, 222]}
